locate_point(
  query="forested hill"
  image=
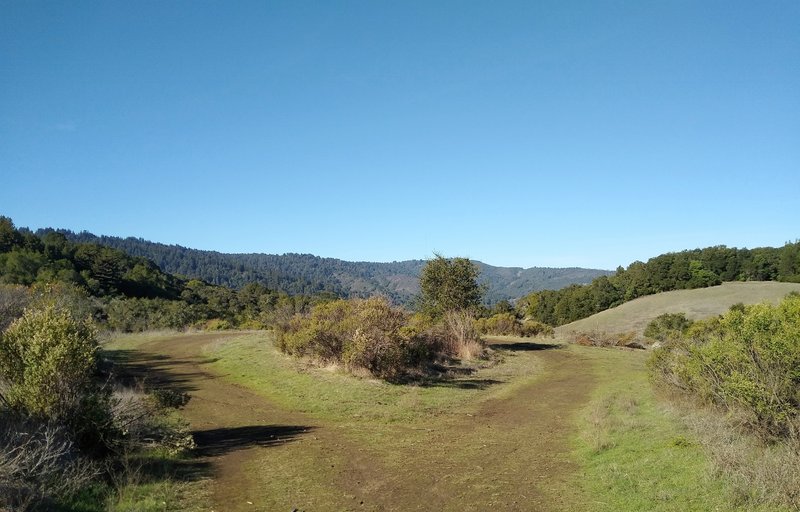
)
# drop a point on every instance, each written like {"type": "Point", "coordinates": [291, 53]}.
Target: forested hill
{"type": "Point", "coordinates": [308, 274]}
{"type": "Point", "coordinates": [685, 270]}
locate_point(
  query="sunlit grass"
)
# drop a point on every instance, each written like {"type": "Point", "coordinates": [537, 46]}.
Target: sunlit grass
{"type": "Point", "coordinates": [635, 453]}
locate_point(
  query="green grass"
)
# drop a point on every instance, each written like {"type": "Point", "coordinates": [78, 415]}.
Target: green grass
{"type": "Point", "coordinates": [697, 304]}
{"type": "Point", "coordinates": [332, 395]}
{"type": "Point", "coordinates": [132, 341]}
{"type": "Point", "coordinates": [636, 454]}
{"type": "Point", "coordinates": [413, 436]}
{"type": "Point", "coordinates": [149, 483]}
{"type": "Point", "coordinates": [632, 453]}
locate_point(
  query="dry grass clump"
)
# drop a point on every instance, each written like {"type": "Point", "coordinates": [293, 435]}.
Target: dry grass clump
{"type": "Point", "coordinates": [461, 339]}
{"type": "Point", "coordinates": [760, 472]}
{"type": "Point", "coordinates": [39, 464]}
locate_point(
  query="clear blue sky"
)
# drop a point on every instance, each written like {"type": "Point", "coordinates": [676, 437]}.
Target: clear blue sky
{"type": "Point", "coordinates": [531, 133]}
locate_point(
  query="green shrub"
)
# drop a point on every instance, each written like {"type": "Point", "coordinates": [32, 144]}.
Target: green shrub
{"type": "Point", "coordinates": [501, 324]}
{"type": "Point", "coordinates": [322, 334]}
{"type": "Point", "coordinates": [507, 324]}
{"type": "Point", "coordinates": [535, 328]}
{"type": "Point", "coordinates": [747, 361]}
{"type": "Point", "coordinates": [668, 326]}
{"type": "Point", "coordinates": [360, 334]}
{"type": "Point", "coordinates": [49, 360]}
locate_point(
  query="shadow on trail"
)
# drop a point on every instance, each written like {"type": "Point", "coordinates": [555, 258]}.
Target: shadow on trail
{"type": "Point", "coordinates": [132, 367]}
{"type": "Point", "coordinates": [150, 470]}
{"type": "Point", "coordinates": [462, 383]}
{"type": "Point", "coordinates": [526, 346]}
{"type": "Point", "coordinates": [219, 441]}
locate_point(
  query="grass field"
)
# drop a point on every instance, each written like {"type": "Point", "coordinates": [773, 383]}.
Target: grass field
{"type": "Point", "coordinates": [701, 303]}
{"type": "Point", "coordinates": [546, 427]}
{"type": "Point", "coordinates": [541, 426]}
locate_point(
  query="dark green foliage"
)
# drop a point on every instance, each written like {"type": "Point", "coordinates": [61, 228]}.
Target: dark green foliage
{"type": "Point", "coordinates": [129, 293]}
{"type": "Point", "coordinates": [104, 272]}
{"type": "Point", "coordinates": [669, 326]}
{"type": "Point", "coordinates": [698, 268]}
{"type": "Point", "coordinates": [746, 361]}
{"type": "Point", "coordinates": [449, 285]}
{"type": "Point", "coordinates": [312, 275]}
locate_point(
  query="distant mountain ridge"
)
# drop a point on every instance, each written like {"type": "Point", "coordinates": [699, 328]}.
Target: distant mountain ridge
{"type": "Point", "coordinates": [307, 274]}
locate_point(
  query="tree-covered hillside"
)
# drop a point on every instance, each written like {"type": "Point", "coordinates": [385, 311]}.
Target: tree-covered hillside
{"type": "Point", "coordinates": [124, 292]}
{"type": "Point", "coordinates": [308, 274]}
{"type": "Point", "coordinates": [698, 268]}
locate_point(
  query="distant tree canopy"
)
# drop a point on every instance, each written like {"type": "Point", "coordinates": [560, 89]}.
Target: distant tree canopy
{"type": "Point", "coordinates": [449, 284]}
{"type": "Point", "coordinates": [311, 275]}
{"type": "Point", "coordinates": [130, 293]}
{"type": "Point", "coordinates": [697, 268]}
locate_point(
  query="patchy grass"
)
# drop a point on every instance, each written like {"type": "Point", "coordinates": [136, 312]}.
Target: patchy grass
{"type": "Point", "coordinates": [483, 440]}
{"type": "Point", "coordinates": [438, 445]}
{"type": "Point", "coordinates": [637, 454]}
{"type": "Point", "coordinates": [153, 480]}
{"type": "Point", "coordinates": [697, 304]}
{"type": "Point", "coordinates": [330, 394]}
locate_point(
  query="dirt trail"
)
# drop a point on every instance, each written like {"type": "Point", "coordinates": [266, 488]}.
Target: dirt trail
{"type": "Point", "coordinates": [510, 455]}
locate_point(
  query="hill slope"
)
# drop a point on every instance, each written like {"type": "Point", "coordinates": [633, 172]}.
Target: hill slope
{"type": "Point", "coordinates": [697, 304]}
{"type": "Point", "coordinates": [306, 273]}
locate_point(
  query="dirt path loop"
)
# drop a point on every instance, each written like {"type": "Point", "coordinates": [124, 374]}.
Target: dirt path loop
{"type": "Point", "coordinates": [514, 454]}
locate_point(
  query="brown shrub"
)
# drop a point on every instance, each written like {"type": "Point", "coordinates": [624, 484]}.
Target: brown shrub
{"type": "Point", "coordinates": [461, 339]}
{"type": "Point", "coordinates": [605, 339]}
{"type": "Point", "coordinates": [39, 465]}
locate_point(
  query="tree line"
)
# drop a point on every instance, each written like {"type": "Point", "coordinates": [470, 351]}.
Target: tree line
{"type": "Point", "coordinates": [698, 268]}
{"type": "Point", "coordinates": [308, 274]}
{"type": "Point", "coordinates": [131, 293]}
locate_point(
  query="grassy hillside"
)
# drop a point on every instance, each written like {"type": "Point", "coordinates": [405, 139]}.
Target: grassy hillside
{"type": "Point", "coordinates": [697, 304]}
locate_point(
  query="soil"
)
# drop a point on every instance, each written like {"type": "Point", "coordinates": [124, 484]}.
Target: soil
{"type": "Point", "coordinates": [514, 454]}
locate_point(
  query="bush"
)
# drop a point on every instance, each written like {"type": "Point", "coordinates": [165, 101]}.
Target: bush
{"type": "Point", "coordinates": [13, 301]}
{"type": "Point", "coordinates": [48, 360]}
{"type": "Point", "coordinates": [747, 361]}
{"type": "Point", "coordinates": [39, 464]}
{"type": "Point", "coordinates": [507, 324]}
{"type": "Point", "coordinates": [144, 420]}
{"type": "Point", "coordinates": [322, 334]}
{"type": "Point", "coordinates": [138, 315]}
{"type": "Point", "coordinates": [501, 324]}
{"type": "Point", "coordinates": [669, 326]}
{"type": "Point", "coordinates": [607, 339]}
{"type": "Point", "coordinates": [360, 334]}
{"type": "Point", "coordinates": [461, 340]}
{"type": "Point", "coordinates": [533, 328]}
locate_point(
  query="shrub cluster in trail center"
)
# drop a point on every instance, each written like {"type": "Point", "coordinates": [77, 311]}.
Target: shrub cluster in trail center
{"type": "Point", "coordinates": [369, 334]}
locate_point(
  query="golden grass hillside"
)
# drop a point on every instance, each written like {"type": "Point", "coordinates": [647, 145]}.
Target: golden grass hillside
{"type": "Point", "coordinates": [697, 304]}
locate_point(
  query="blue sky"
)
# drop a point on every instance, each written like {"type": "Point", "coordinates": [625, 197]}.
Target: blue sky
{"type": "Point", "coordinates": [517, 133]}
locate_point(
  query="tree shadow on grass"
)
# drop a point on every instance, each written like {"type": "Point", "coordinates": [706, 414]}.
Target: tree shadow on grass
{"type": "Point", "coordinates": [461, 383]}
{"type": "Point", "coordinates": [131, 367]}
{"type": "Point", "coordinates": [526, 346]}
{"type": "Point", "coordinates": [219, 441]}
